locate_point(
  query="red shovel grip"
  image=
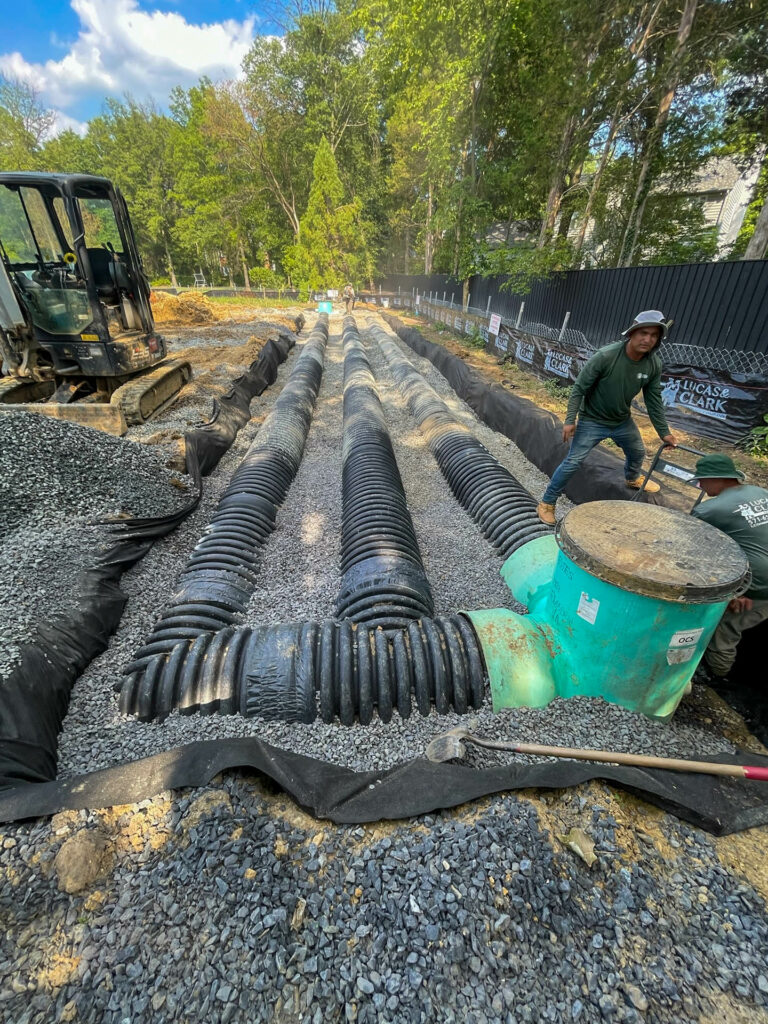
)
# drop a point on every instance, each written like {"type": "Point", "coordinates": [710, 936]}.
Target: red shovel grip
{"type": "Point", "coordinates": [751, 771]}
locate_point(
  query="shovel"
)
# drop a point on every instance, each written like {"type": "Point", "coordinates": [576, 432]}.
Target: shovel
{"type": "Point", "coordinates": [451, 746]}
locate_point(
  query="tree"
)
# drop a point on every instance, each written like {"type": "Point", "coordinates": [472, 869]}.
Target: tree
{"type": "Point", "coordinates": [331, 248]}
{"type": "Point", "coordinates": [24, 125]}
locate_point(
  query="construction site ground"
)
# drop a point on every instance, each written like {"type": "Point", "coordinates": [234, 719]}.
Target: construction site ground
{"type": "Point", "coordinates": [230, 903]}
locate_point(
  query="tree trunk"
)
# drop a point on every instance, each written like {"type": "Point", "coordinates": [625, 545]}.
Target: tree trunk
{"type": "Point", "coordinates": [246, 278]}
{"type": "Point", "coordinates": [407, 252]}
{"type": "Point", "coordinates": [557, 181]}
{"type": "Point", "coordinates": [567, 217]}
{"type": "Point", "coordinates": [758, 243]}
{"type": "Point", "coordinates": [635, 220]}
{"type": "Point", "coordinates": [428, 234]}
{"type": "Point", "coordinates": [171, 269]}
{"type": "Point", "coordinates": [596, 179]}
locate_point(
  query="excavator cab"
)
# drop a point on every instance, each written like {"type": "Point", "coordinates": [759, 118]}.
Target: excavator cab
{"type": "Point", "coordinates": [77, 337]}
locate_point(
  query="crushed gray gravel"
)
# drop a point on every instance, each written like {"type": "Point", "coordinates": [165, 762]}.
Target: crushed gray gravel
{"type": "Point", "coordinates": [56, 480]}
{"type": "Point", "coordinates": [229, 905]}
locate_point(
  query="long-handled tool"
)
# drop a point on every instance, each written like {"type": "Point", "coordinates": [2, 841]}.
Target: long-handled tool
{"type": "Point", "coordinates": [450, 746]}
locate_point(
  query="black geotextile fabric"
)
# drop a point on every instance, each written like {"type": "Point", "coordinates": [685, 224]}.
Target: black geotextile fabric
{"type": "Point", "coordinates": [35, 696]}
{"type": "Point", "coordinates": [537, 433]}
{"type": "Point", "coordinates": [329, 791]}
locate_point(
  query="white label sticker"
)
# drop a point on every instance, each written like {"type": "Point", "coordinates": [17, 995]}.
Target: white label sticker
{"type": "Point", "coordinates": [679, 655]}
{"type": "Point", "coordinates": [685, 638]}
{"type": "Point", "coordinates": [681, 474]}
{"type": "Point", "coordinates": [588, 608]}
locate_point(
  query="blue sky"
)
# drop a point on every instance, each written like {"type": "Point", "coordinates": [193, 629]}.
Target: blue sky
{"type": "Point", "coordinates": [77, 52]}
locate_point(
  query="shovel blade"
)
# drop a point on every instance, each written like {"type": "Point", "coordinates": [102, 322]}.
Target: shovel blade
{"type": "Point", "coordinates": [447, 747]}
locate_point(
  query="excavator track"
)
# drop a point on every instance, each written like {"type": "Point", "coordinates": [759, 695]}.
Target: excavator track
{"type": "Point", "coordinates": [139, 399]}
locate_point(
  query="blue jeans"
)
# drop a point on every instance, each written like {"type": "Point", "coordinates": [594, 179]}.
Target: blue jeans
{"type": "Point", "coordinates": [590, 433]}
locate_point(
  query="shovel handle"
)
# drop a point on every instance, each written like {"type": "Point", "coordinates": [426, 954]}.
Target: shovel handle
{"type": "Point", "coordinates": [734, 771]}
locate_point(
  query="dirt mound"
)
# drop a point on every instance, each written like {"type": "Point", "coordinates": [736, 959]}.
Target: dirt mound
{"type": "Point", "coordinates": [187, 308]}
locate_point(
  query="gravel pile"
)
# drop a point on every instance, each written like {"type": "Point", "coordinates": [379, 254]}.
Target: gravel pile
{"type": "Point", "coordinates": [231, 906]}
{"type": "Point", "coordinates": [51, 469]}
{"type": "Point", "coordinates": [56, 479]}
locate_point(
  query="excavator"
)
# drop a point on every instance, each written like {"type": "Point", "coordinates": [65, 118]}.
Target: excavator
{"type": "Point", "coordinates": [77, 337]}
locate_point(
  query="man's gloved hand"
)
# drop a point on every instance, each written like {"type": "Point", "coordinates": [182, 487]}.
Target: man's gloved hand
{"type": "Point", "coordinates": [740, 604]}
{"type": "Point", "coordinates": [568, 431]}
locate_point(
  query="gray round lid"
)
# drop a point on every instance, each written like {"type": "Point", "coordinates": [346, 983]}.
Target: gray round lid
{"type": "Point", "coordinates": [653, 551]}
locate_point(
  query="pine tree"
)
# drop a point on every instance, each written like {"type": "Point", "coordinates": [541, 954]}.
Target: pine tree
{"type": "Point", "coordinates": [331, 248]}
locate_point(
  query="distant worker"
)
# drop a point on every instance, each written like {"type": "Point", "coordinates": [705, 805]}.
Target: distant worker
{"type": "Point", "coordinates": [349, 298]}
{"type": "Point", "coordinates": [741, 511]}
{"type": "Point", "coordinates": [602, 397]}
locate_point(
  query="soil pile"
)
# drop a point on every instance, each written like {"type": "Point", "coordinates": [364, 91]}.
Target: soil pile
{"type": "Point", "coordinates": [187, 308]}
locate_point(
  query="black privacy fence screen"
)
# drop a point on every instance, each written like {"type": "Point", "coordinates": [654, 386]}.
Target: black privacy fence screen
{"type": "Point", "coordinates": [715, 380]}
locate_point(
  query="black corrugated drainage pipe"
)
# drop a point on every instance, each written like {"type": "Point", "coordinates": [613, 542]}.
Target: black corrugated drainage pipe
{"type": "Point", "coordinates": [383, 578]}
{"type": "Point", "coordinates": [505, 511]}
{"type": "Point", "coordinates": [298, 671]}
{"type": "Point", "coordinates": [219, 577]}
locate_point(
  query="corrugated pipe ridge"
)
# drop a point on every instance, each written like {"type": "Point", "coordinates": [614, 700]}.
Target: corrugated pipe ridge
{"type": "Point", "coordinates": [220, 576]}
{"type": "Point", "coordinates": [383, 578]}
{"type": "Point", "coordinates": [502, 507]}
{"type": "Point", "coordinates": [301, 671]}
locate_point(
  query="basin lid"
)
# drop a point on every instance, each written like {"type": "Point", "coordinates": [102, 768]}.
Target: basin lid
{"type": "Point", "coordinates": [654, 551]}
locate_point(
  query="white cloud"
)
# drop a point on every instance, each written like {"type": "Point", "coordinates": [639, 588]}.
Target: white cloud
{"type": "Point", "coordinates": [121, 48]}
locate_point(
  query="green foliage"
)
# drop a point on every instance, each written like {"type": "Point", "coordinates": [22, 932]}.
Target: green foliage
{"type": "Point", "coordinates": [526, 265]}
{"type": "Point", "coordinates": [756, 442]}
{"type": "Point", "coordinates": [331, 249]}
{"type": "Point", "coordinates": [477, 136]}
{"type": "Point", "coordinates": [474, 338]}
{"type": "Point", "coordinates": [556, 388]}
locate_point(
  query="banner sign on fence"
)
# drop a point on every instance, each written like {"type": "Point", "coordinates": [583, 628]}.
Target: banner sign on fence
{"type": "Point", "coordinates": [713, 403]}
{"type": "Point", "coordinates": [707, 402]}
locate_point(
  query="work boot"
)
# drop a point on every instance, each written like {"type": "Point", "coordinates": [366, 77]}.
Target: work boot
{"type": "Point", "coordinates": [546, 513]}
{"type": "Point", "coordinates": [637, 483]}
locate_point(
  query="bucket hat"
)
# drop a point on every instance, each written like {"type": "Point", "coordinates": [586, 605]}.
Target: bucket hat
{"type": "Point", "coordinates": [716, 467]}
{"type": "Point", "coordinates": [648, 318]}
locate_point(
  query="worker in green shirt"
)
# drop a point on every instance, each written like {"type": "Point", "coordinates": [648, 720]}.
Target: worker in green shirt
{"type": "Point", "coordinates": [741, 511]}
{"type": "Point", "coordinates": [602, 397]}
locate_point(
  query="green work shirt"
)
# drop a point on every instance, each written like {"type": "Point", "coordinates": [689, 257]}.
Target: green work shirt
{"type": "Point", "coordinates": [608, 382]}
{"type": "Point", "coordinates": [742, 513]}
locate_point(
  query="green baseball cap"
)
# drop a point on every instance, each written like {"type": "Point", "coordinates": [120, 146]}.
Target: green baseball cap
{"type": "Point", "coordinates": [717, 467]}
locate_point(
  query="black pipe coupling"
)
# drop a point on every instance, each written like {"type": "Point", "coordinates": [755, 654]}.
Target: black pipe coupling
{"type": "Point", "coordinates": [502, 507]}
{"type": "Point", "coordinates": [219, 578]}
{"type": "Point", "coordinates": [301, 671]}
{"type": "Point", "coordinates": [383, 578]}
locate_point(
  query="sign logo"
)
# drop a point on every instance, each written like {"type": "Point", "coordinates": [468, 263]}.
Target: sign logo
{"type": "Point", "coordinates": [701, 396]}
{"type": "Point", "coordinates": [524, 351]}
{"type": "Point", "coordinates": [558, 363]}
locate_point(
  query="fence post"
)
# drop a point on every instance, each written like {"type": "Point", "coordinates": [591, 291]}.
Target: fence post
{"type": "Point", "coordinates": [443, 298]}
{"type": "Point", "coordinates": [565, 324]}
{"type": "Point", "coordinates": [519, 315]}
{"type": "Point", "coordinates": [469, 296]}
{"type": "Point", "coordinates": [453, 295]}
{"type": "Point", "coordinates": [488, 307]}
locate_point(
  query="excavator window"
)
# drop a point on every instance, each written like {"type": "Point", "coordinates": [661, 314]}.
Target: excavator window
{"type": "Point", "coordinates": [101, 230]}
{"type": "Point", "coordinates": [32, 247]}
